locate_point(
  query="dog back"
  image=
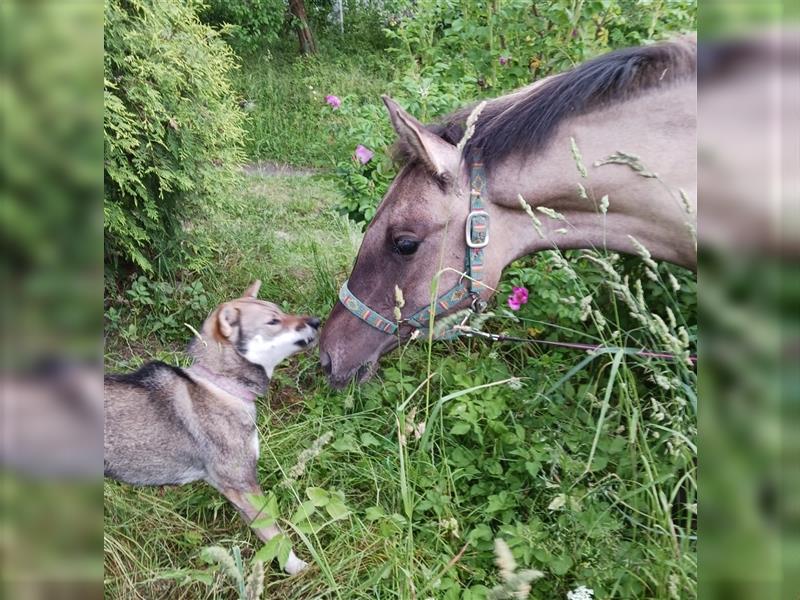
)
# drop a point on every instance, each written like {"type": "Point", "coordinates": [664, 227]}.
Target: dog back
{"type": "Point", "coordinates": [151, 431]}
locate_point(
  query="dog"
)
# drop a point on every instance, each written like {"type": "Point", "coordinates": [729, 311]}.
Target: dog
{"type": "Point", "coordinates": [168, 425]}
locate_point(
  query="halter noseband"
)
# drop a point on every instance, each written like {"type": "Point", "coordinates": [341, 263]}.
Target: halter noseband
{"type": "Point", "coordinates": [476, 235]}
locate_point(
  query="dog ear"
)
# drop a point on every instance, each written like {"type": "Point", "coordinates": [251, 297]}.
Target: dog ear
{"type": "Point", "coordinates": [252, 289]}
{"type": "Point", "coordinates": [228, 318]}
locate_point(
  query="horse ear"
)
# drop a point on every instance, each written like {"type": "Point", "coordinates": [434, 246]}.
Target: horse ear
{"type": "Point", "coordinates": [252, 289]}
{"type": "Point", "coordinates": [440, 157]}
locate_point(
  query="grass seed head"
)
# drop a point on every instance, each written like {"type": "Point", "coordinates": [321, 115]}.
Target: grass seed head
{"type": "Point", "coordinates": [399, 300]}
{"type": "Point", "coordinates": [307, 456]}
{"type": "Point", "coordinates": [553, 214]}
{"type": "Point", "coordinates": [255, 582]}
{"type": "Point", "coordinates": [586, 307]}
{"type": "Point", "coordinates": [504, 559]}
{"type": "Point", "coordinates": [537, 224]}
{"type": "Point", "coordinates": [673, 282]}
{"type": "Point", "coordinates": [222, 558]}
{"type": "Point", "coordinates": [576, 155]}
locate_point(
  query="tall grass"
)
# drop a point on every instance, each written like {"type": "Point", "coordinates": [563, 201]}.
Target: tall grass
{"type": "Point", "coordinates": [284, 95]}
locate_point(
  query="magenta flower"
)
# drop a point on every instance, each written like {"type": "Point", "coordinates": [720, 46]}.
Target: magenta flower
{"type": "Point", "coordinates": [503, 60]}
{"type": "Point", "coordinates": [363, 154]}
{"type": "Point", "coordinates": [333, 101]}
{"type": "Point", "coordinates": [518, 297]}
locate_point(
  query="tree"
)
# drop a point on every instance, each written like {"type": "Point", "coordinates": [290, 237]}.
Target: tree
{"type": "Point", "coordinates": [298, 10]}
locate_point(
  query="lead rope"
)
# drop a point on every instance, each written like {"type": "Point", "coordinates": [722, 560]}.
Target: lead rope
{"type": "Point", "coordinates": [468, 331]}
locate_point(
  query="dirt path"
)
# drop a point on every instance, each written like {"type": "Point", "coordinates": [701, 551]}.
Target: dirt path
{"type": "Point", "coordinates": [267, 168]}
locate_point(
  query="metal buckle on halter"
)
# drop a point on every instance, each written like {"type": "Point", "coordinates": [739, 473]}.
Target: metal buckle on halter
{"type": "Point", "coordinates": [468, 229]}
{"type": "Point", "coordinates": [478, 304]}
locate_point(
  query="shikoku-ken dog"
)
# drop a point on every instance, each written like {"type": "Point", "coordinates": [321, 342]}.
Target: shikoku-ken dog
{"type": "Point", "coordinates": [168, 425]}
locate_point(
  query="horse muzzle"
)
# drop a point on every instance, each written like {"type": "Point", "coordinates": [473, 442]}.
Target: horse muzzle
{"type": "Point", "coordinates": [349, 349]}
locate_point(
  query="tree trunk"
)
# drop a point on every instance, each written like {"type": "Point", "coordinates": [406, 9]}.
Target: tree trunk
{"type": "Point", "coordinates": [304, 35]}
{"type": "Point", "coordinates": [340, 16]}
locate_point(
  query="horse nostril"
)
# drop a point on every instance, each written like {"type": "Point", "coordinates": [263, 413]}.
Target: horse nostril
{"type": "Point", "coordinates": [325, 362]}
{"type": "Point", "coordinates": [362, 372]}
{"type": "Point", "coordinates": [313, 322]}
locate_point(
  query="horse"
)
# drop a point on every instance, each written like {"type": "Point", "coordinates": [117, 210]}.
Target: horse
{"type": "Point", "coordinates": [600, 156]}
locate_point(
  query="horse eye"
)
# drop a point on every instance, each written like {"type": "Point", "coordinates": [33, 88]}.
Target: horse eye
{"type": "Point", "coordinates": [274, 322]}
{"type": "Point", "coordinates": [405, 246]}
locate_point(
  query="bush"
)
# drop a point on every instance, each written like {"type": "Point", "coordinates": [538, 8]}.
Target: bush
{"type": "Point", "coordinates": [504, 46]}
{"type": "Point", "coordinates": [366, 125]}
{"type": "Point", "coordinates": [252, 25]}
{"type": "Point", "coordinates": [363, 22]}
{"type": "Point", "coordinates": [173, 130]}
{"type": "Point", "coordinates": [157, 309]}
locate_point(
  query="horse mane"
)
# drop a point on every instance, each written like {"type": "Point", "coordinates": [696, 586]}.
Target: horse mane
{"type": "Point", "coordinates": [526, 120]}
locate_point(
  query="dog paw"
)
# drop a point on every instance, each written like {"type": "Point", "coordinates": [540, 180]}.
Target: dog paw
{"type": "Point", "coordinates": [294, 565]}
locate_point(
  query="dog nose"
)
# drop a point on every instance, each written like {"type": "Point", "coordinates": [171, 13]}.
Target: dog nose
{"type": "Point", "coordinates": [313, 322]}
{"type": "Point", "coordinates": [325, 362]}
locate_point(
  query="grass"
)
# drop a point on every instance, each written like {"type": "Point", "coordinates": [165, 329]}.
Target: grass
{"type": "Point", "coordinates": [578, 480]}
{"type": "Point", "coordinates": [289, 120]}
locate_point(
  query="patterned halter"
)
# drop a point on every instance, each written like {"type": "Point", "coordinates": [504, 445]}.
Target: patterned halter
{"type": "Point", "coordinates": [476, 235]}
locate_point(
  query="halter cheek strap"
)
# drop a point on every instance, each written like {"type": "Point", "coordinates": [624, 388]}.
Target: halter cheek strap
{"type": "Point", "coordinates": [476, 234]}
{"type": "Point", "coordinates": [477, 225]}
{"type": "Point", "coordinates": [364, 312]}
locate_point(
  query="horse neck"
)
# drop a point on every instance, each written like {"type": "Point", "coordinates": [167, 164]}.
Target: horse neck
{"type": "Point", "coordinates": [659, 129]}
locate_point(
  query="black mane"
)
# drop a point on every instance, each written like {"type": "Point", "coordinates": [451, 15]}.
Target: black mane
{"type": "Point", "coordinates": [525, 124]}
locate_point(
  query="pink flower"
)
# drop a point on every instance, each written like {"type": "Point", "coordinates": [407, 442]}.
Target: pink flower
{"type": "Point", "coordinates": [518, 297]}
{"type": "Point", "coordinates": [363, 154]}
{"type": "Point", "coordinates": [503, 60]}
{"type": "Point", "coordinates": [333, 101]}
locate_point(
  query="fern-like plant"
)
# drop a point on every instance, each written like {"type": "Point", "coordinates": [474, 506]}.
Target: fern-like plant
{"type": "Point", "coordinates": [172, 127]}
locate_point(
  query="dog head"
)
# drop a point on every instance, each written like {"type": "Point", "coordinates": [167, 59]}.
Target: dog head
{"type": "Point", "coordinates": [260, 331]}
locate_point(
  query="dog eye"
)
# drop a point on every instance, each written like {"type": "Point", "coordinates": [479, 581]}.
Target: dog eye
{"type": "Point", "coordinates": [274, 322]}
{"type": "Point", "coordinates": [405, 246]}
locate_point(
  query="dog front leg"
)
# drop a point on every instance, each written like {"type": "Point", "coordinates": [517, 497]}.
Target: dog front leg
{"type": "Point", "coordinates": [250, 513]}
